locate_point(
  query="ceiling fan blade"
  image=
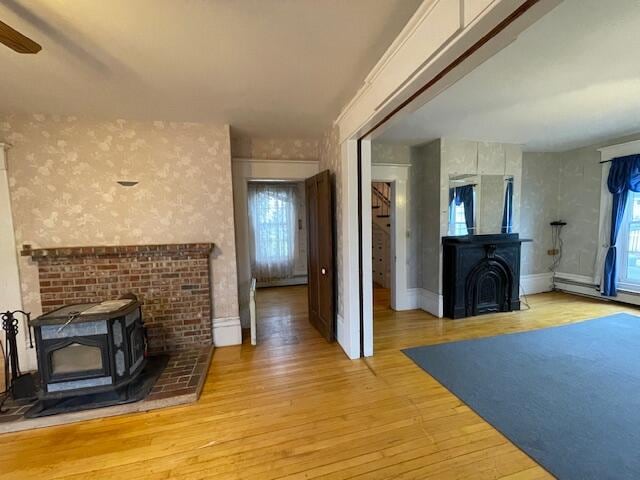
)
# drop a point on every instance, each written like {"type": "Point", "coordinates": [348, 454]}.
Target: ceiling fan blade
{"type": "Point", "coordinates": [17, 41]}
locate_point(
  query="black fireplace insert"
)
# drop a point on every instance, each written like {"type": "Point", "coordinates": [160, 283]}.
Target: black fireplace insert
{"type": "Point", "coordinates": [89, 348]}
{"type": "Point", "coordinates": [481, 274]}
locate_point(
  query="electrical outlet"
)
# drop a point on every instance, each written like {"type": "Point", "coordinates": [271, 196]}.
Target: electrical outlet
{"type": "Point", "coordinates": [553, 251]}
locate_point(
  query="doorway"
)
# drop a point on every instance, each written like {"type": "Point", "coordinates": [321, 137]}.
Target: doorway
{"type": "Point", "coordinates": [277, 239]}
{"type": "Point", "coordinates": [382, 254]}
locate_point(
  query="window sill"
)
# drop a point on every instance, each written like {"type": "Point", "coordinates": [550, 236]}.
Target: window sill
{"type": "Point", "coordinates": [629, 288]}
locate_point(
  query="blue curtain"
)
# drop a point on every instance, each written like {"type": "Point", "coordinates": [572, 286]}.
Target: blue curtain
{"type": "Point", "coordinates": [624, 176]}
{"type": "Point", "coordinates": [466, 196]}
{"type": "Point", "coordinates": [507, 214]}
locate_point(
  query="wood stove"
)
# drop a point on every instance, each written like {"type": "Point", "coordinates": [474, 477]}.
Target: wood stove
{"type": "Point", "coordinates": [89, 348]}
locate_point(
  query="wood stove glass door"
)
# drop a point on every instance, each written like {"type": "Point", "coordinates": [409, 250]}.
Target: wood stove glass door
{"type": "Point", "coordinates": [76, 358]}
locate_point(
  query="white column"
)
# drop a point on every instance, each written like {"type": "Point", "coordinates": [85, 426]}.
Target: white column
{"type": "Point", "coordinates": [349, 325]}
{"type": "Point", "coordinates": [367, 267]}
{"type": "Point", "coordinates": [10, 294]}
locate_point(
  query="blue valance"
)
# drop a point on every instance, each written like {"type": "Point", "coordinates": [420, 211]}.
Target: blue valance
{"type": "Point", "coordinates": [624, 176]}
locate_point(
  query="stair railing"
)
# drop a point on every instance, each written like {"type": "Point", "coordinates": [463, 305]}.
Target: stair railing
{"type": "Point", "coordinates": [380, 200]}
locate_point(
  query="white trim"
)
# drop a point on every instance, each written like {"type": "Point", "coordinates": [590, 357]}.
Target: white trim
{"type": "Point", "coordinates": [267, 160]}
{"type": "Point", "coordinates": [398, 175]}
{"type": "Point", "coordinates": [227, 331]}
{"type": "Point", "coordinates": [343, 339]}
{"type": "Point", "coordinates": [628, 287]}
{"type": "Point", "coordinates": [410, 300]}
{"type": "Point", "coordinates": [536, 283]}
{"type": "Point", "coordinates": [349, 323]}
{"type": "Point", "coordinates": [561, 277]}
{"type": "Point", "coordinates": [252, 312]}
{"type": "Point", "coordinates": [284, 282]}
{"type": "Point", "coordinates": [619, 150]}
{"type": "Point", "coordinates": [367, 264]}
{"type": "Point", "coordinates": [431, 302]}
{"type": "Point", "coordinates": [393, 165]}
{"type": "Point", "coordinates": [431, 27]}
{"type": "Point", "coordinates": [420, 298]}
{"type": "Point", "coordinates": [436, 34]}
{"type": "Point", "coordinates": [405, 34]}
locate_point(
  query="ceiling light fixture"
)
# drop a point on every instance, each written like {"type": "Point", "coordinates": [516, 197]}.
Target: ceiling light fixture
{"type": "Point", "coordinates": [127, 183]}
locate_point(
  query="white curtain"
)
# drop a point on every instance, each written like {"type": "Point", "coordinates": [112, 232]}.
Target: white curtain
{"type": "Point", "coordinates": [606, 204]}
{"type": "Point", "coordinates": [272, 226]}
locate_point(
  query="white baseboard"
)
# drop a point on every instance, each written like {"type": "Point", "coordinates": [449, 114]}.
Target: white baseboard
{"type": "Point", "coordinates": [419, 298]}
{"type": "Point", "coordinates": [227, 331]}
{"type": "Point", "coordinates": [410, 300]}
{"type": "Point", "coordinates": [284, 282]}
{"type": "Point", "coordinates": [431, 302]}
{"type": "Point", "coordinates": [536, 283]}
{"type": "Point", "coordinates": [351, 346]}
{"type": "Point", "coordinates": [561, 277]}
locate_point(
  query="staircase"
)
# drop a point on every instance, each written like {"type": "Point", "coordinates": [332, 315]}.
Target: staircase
{"type": "Point", "coordinates": [381, 204]}
{"type": "Point", "coordinates": [381, 233]}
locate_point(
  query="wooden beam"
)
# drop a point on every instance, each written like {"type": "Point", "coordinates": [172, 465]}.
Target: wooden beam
{"type": "Point", "coordinates": [17, 41]}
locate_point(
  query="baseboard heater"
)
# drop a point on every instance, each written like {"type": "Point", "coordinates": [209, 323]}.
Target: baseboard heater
{"type": "Point", "coordinates": [587, 288]}
{"type": "Point", "coordinates": [284, 282]}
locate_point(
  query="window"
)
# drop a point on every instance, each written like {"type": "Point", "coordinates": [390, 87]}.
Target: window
{"type": "Point", "coordinates": [272, 220]}
{"type": "Point", "coordinates": [457, 222]}
{"type": "Point", "coordinates": [629, 245]}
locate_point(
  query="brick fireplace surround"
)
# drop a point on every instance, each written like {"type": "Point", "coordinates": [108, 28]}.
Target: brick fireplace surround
{"type": "Point", "coordinates": [172, 281]}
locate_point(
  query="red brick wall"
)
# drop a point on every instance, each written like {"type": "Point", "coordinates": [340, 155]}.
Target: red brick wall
{"type": "Point", "coordinates": [172, 281]}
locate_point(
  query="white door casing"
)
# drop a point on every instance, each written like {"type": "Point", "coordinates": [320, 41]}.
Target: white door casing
{"type": "Point", "coordinates": [398, 176]}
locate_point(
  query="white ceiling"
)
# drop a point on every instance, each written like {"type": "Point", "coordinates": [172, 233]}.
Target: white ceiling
{"type": "Point", "coordinates": [571, 79]}
{"type": "Point", "coordinates": [267, 67]}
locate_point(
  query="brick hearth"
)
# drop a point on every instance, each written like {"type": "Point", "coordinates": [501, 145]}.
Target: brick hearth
{"type": "Point", "coordinates": [172, 281]}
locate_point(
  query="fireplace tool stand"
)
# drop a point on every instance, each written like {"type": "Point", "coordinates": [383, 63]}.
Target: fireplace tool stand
{"type": "Point", "coordinates": [17, 385]}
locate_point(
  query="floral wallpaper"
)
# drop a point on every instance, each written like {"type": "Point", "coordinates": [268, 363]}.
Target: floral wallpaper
{"type": "Point", "coordinates": [330, 159]}
{"type": "Point", "coordinates": [63, 173]}
{"type": "Point", "coordinates": [579, 205]}
{"type": "Point", "coordinates": [539, 207]}
{"type": "Point", "coordinates": [490, 203]}
{"type": "Point", "coordinates": [430, 248]}
{"type": "Point", "coordinates": [274, 149]}
{"type": "Point", "coordinates": [390, 153]}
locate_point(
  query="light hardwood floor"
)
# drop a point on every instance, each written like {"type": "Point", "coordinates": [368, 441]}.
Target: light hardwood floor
{"type": "Point", "coordinates": [296, 407]}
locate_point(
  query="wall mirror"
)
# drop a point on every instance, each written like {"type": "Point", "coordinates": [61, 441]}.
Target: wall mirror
{"type": "Point", "coordinates": [480, 204]}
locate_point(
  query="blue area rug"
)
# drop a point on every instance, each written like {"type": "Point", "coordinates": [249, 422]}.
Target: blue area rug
{"type": "Point", "coordinates": [568, 396]}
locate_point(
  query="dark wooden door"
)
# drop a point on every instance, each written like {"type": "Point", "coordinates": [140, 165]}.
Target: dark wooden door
{"type": "Point", "coordinates": [320, 254]}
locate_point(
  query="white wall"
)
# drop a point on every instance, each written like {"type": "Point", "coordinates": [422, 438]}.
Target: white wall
{"type": "Point", "coordinates": [10, 295]}
{"type": "Point", "coordinates": [244, 170]}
